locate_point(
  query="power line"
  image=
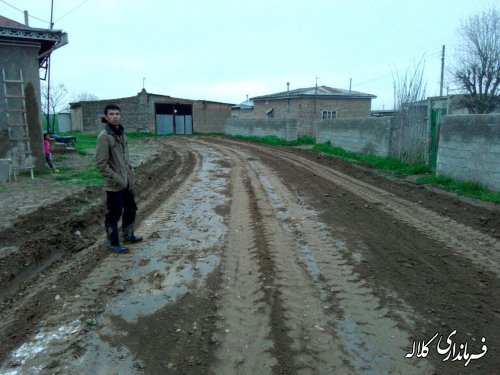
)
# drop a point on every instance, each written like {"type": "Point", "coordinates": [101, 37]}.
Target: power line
{"type": "Point", "coordinates": [72, 10]}
{"type": "Point", "coordinates": [401, 33]}
{"type": "Point", "coordinates": [432, 57]}
{"type": "Point", "coordinates": [22, 11]}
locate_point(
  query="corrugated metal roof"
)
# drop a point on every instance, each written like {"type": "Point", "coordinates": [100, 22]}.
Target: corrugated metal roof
{"type": "Point", "coordinates": [321, 91]}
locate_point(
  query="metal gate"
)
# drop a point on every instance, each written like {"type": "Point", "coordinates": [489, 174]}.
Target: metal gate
{"type": "Point", "coordinates": [438, 110]}
{"type": "Point", "coordinates": [174, 118]}
{"type": "Point", "coordinates": [164, 124]}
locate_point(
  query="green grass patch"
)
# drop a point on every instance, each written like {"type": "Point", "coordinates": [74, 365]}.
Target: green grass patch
{"type": "Point", "coordinates": [383, 163]}
{"type": "Point", "coordinates": [85, 142]}
{"type": "Point", "coordinates": [86, 177]}
{"type": "Point", "coordinates": [273, 140]}
{"type": "Point", "coordinates": [468, 189]}
{"type": "Point", "coordinates": [36, 174]}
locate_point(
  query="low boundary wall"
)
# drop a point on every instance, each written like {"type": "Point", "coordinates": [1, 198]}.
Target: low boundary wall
{"type": "Point", "coordinates": [285, 129]}
{"type": "Point", "coordinates": [469, 149]}
{"type": "Point", "coordinates": [366, 135]}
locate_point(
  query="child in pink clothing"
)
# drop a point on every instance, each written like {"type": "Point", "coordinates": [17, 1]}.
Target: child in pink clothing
{"type": "Point", "coordinates": [46, 151]}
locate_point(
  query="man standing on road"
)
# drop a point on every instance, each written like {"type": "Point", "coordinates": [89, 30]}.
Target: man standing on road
{"type": "Point", "coordinates": [112, 160]}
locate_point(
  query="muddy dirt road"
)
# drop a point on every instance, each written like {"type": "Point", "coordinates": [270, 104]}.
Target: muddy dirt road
{"type": "Point", "coordinates": [261, 260]}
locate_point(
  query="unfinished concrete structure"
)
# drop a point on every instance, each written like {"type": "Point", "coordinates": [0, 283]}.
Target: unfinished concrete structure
{"type": "Point", "coordinates": [23, 50]}
{"type": "Point", "coordinates": [160, 114]}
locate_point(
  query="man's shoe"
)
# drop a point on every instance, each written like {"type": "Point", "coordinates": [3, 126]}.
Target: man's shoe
{"type": "Point", "coordinates": [118, 248]}
{"type": "Point", "coordinates": [128, 234]}
{"type": "Point", "coordinates": [113, 239]}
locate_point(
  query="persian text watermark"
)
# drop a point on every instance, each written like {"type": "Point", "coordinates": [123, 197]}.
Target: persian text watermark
{"type": "Point", "coordinates": [451, 350]}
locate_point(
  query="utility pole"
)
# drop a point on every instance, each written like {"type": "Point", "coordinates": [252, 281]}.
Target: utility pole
{"type": "Point", "coordinates": [442, 73]}
{"type": "Point", "coordinates": [288, 97]}
{"type": "Point", "coordinates": [316, 98]}
{"type": "Point", "coordinates": [48, 76]}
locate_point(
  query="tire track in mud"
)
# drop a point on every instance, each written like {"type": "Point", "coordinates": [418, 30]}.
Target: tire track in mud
{"type": "Point", "coordinates": [74, 312]}
{"type": "Point", "coordinates": [298, 346]}
{"type": "Point", "coordinates": [479, 248]}
{"type": "Point", "coordinates": [244, 325]}
{"type": "Point", "coordinates": [338, 325]}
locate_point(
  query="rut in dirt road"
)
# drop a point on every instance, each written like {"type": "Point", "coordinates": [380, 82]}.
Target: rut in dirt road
{"type": "Point", "coordinates": [331, 317]}
{"type": "Point", "coordinates": [435, 274]}
{"type": "Point", "coordinates": [248, 267]}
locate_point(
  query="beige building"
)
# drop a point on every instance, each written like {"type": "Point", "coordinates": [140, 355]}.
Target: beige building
{"type": "Point", "coordinates": [307, 105]}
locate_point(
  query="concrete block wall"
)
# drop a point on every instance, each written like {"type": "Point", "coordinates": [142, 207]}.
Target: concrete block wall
{"type": "Point", "coordinates": [285, 129]}
{"type": "Point", "coordinates": [134, 114]}
{"type": "Point", "coordinates": [469, 149]}
{"type": "Point", "coordinates": [209, 117]}
{"type": "Point", "coordinates": [366, 135]}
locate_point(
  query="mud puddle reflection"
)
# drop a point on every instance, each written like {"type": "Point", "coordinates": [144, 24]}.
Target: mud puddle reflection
{"type": "Point", "coordinates": [183, 238]}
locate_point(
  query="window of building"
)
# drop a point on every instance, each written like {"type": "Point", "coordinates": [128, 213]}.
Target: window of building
{"type": "Point", "coordinates": [328, 115]}
{"type": "Point", "coordinates": [270, 113]}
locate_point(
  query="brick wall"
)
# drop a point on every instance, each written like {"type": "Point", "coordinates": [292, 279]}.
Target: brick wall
{"type": "Point", "coordinates": [469, 149]}
{"type": "Point", "coordinates": [308, 110]}
{"type": "Point", "coordinates": [285, 129]}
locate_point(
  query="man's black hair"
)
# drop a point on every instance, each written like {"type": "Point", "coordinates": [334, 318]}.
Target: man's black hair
{"type": "Point", "coordinates": [109, 107]}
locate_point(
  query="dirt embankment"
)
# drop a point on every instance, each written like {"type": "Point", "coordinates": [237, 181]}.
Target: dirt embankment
{"type": "Point", "coordinates": [54, 234]}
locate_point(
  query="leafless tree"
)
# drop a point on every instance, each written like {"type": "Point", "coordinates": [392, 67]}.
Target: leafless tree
{"type": "Point", "coordinates": [477, 65]}
{"type": "Point", "coordinates": [409, 88]}
{"type": "Point", "coordinates": [53, 102]}
{"type": "Point", "coordinates": [410, 134]}
{"type": "Point", "coordinates": [84, 97]}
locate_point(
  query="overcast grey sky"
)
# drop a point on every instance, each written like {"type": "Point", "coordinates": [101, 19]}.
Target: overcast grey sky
{"type": "Point", "coordinates": [223, 50]}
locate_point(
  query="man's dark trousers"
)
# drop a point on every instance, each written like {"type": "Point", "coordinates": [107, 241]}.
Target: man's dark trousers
{"type": "Point", "coordinates": [118, 203]}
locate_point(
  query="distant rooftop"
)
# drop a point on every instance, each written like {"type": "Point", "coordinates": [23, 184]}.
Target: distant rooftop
{"type": "Point", "coordinates": [247, 104]}
{"type": "Point", "coordinates": [320, 91]}
{"type": "Point", "coordinates": [8, 22]}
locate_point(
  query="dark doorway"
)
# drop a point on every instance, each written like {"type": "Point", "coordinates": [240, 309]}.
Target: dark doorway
{"type": "Point", "coordinates": [174, 118]}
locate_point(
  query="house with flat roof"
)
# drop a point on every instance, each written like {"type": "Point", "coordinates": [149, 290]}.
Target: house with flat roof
{"type": "Point", "coordinates": [307, 105]}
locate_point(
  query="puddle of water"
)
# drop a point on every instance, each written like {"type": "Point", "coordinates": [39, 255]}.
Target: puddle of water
{"type": "Point", "coordinates": [40, 343]}
{"type": "Point", "coordinates": [106, 359]}
{"type": "Point", "coordinates": [310, 261]}
{"type": "Point", "coordinates": [193, 230]}
{"type": "Point", "coordinates": [356, 256]}
{"type": "Point", "coordinates": [370, 347]}
{"type": "Point", "coordinates": [7, 250]}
